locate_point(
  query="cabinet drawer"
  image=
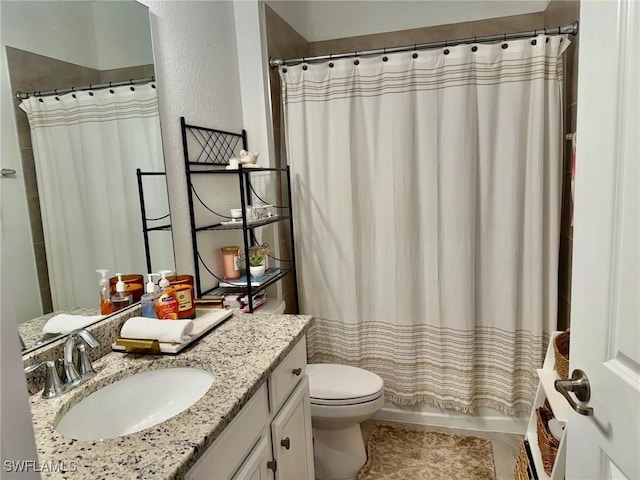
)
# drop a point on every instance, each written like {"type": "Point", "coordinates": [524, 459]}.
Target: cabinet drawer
{"type": "Point", "coordinates": [230, 449]}
{"type": "Point", "coordinates": [287, 375]}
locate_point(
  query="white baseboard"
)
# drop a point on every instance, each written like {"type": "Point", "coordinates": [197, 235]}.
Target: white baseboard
{"type": "Point", "coordinates": [485, 420]}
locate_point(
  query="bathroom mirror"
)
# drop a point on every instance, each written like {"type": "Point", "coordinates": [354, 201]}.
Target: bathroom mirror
{"type": "Point", "coordinates": [51, 45]}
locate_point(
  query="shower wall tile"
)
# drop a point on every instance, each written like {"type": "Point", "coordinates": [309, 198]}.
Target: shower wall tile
{"type": "Point", "coordinates": [514, 23]}
{"type": "Point", "coordinates": [282, 42]}
{"type": "Point", "coordinates": [558, 13]}
{"type": "Point", "coordinates": [127, 73]}
{"type": "Point", "coordinates": [29, 172]}
{"type": "Point", "coordinates": [31, 72]}
{"type": "Point", "coordinates": [561, 12]}
{"type": "Point", "coordinates": [437, 33]}
{"type": "Point", "coordinates": [564, 313]}
{"type": "Point", "coordinates": [565, 268]}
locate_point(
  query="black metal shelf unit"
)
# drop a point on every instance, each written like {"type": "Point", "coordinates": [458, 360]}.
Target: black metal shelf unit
{"type": "Point", "coordinates": [207, 152]}
{"type": "Point", "coordinates": [159, 224]}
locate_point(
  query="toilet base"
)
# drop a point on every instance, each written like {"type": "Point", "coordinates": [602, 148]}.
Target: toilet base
{"type": "Point", "coordinates": [338, 454]}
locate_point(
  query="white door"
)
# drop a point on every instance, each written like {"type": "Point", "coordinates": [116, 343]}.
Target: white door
{"type": "Point", "coordinates": [605, 316]}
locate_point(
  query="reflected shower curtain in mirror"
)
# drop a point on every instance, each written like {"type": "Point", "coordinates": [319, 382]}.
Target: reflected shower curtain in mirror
{"type": "Point", "coordinates": [427, 192]}
{"type": "Point", "coordinates": [87, 147]}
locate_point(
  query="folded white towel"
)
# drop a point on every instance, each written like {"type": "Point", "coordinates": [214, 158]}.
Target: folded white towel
{"type": "Point", "coordinates": [169, 331]}
{"type": "Point", "coordinates": [65, 323]}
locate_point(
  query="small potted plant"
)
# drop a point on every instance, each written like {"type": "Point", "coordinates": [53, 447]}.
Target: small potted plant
{"type": "Point", "coordinates": [257, 260]}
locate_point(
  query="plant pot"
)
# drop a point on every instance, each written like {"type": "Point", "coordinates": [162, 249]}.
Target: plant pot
{"type": "Point", "coordinates": [257, 271]}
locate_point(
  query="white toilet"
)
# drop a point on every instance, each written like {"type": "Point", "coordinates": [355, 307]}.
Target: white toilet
{"type": "Point", "coordinates": [341, 398]}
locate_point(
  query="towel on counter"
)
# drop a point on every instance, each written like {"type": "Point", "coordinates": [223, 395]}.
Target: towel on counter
{"type": "Point", "coordinates": [65, 323]}
{"type": "Point", "coordinates": [168, 331]}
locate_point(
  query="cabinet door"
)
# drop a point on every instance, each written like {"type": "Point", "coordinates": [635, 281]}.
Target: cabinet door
{"type": "Point", "coordinates": [291, 436]}
{"type": "Point", "coordinates": [255, 467]}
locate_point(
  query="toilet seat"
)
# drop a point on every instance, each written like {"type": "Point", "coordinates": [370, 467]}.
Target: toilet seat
{"type": "Point", "coordinates": [336, 385]}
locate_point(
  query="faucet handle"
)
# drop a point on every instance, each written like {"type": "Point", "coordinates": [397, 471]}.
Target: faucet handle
{"type": "Point", "coordinates": [84, 367]}
{"type": "Point", "coordinates": [52, 384]}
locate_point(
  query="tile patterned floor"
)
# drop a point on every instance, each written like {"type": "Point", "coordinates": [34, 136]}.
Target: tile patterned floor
{"type": "Point", "coordinates": [505, 445]}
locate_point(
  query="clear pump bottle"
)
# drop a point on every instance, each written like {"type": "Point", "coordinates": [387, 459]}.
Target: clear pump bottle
{"type": "Point", "coordinates": [148, 300]}
{"type": "Point", "coordinates": [121, 299]}
{"type": "Point", "coordinates": [106, 307]}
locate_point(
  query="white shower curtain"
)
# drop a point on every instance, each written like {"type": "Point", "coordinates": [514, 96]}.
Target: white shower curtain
{"type": "Point", "coordinates": [87, 147]}
{"type": "Point", "coordinates": [427, 193]}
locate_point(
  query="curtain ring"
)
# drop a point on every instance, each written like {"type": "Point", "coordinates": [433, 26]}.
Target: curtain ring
{"type": "Point", "coordinates": [504, 38]}
{"type": "Point", "coordinates": [55, 91]}
{"type": "Point", "coordinates": [545, 31]}
{"type": "Point", "coordinates": [131, 81]}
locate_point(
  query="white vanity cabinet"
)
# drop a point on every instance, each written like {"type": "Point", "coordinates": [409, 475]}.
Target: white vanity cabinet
{"type": "Point", "coordinates": [270, 438]}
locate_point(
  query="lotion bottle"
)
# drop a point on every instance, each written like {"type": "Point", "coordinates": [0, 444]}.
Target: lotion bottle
{"type": "Point", "coordinates": [106, 308]}
{"type": "Point", "coordinates": [148, 300]}
{"type": "Point", "coordinates": [167, 306]}
{"type": "Point", "coordinates": [120, 299]}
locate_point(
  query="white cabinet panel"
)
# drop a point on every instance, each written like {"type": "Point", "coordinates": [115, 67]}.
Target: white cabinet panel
{"type": "Point", "coordinates": [234, 444]}
{"type": "Point", "coordinates": [291, 436]}
{"type": "Point", "coordinates": [255, 467]}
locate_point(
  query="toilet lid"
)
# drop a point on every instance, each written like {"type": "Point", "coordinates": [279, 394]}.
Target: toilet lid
{"type": "Point", "coordinates": [331, 384]}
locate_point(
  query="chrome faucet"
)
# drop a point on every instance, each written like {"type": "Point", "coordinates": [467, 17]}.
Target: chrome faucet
{"type": "Point", "coordinates": [76, 374]}
{"type": "Point", "coordinates": [53, 386]}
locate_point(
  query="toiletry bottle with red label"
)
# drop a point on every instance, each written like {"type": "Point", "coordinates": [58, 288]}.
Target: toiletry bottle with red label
{"type": "Point", "coordinates": [167, 306]}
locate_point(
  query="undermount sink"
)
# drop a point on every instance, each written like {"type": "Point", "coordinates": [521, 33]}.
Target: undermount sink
{"type": "Point", "coordinates": [135, 403]}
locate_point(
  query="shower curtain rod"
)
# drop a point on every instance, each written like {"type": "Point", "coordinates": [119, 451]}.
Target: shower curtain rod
{"type": "Point", "coordinates": [91, 86]}
{"type": "Point", "coordinates": [571, 29]}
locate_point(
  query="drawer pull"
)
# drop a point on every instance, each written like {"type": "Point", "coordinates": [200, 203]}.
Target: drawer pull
{"type": "Point", "coordinates": [297, 371]}
{"type": "Point", "coordinates": [286, 443]}
{"type": "Point", "coordinates": [272, 465]}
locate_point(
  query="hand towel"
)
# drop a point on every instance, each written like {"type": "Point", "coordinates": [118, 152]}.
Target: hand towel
{"type": "Point", "coordinates": [65, 323]}
{"type": "Point", "coordinates": [168, 331]}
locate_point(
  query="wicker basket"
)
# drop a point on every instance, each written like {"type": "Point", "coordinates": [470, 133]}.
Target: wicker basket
{"type": "Point", "coordinates": [561, 350]}
{"type": "Point", "coordinates": [521, 470]}
{"type": "Point", "coordinates": [547, 443]}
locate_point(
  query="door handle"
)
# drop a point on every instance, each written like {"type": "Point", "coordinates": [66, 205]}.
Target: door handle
{"type": "Point", "coordinates": [579, 385]}
{"type": "Point", "coordinates": [7, 172]}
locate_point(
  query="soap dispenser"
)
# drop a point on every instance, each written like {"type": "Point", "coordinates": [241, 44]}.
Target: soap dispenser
{"type": "Point", "coordinates": [167, 303]}
{"type": "Point", "coordinates": [106, 308]}
{"type": "Point", "coordinates": [148, 300]}
{"type": "Point", "coordinates": [120, 299]}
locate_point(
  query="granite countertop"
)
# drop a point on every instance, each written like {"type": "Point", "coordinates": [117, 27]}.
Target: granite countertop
{"type": "Point", "coordinates": [240, 353]}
